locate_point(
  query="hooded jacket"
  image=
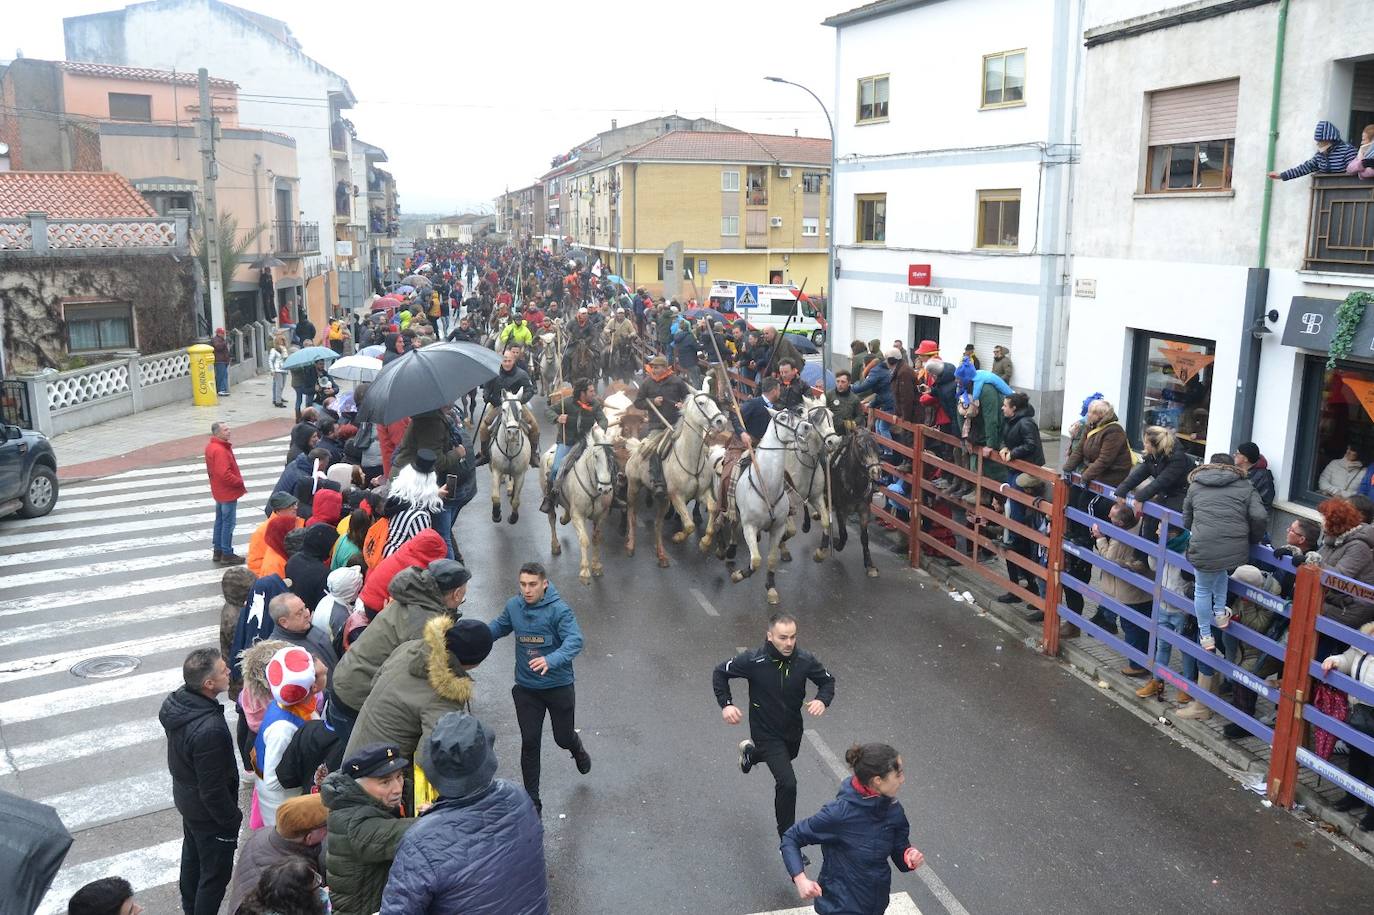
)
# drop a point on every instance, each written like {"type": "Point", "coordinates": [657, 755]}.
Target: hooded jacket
{"type": "Point", "coordinates": [1352, 555]}
{"type": "Point", "coordinates": [417, 552]}
{"type": "Point", "coordinates": [363, 837]}
{"type": "Point", "coordinates": [878, 382]}
{"type": "Point", "coordinates": [545, 629]}
{"type": "Point", "coordinates": [415, 600]}
{"type": "Point", "coordinates": [434, 431]}
{"type": "Point", "coordinates": [477, 855]}
{"type": "Point", "coordinates": [263, 849]}
{"type": "Point", "coordinates": [419, 684]}
{"type": "Point", "coordinates": [254, 624]}
{"type": "Point", "coordinates": [258, 561]}
{"type": "Point", "coordinates": [1021, 436]}
{"type": "Point", "coordinates": [327, 506]}
{"type": "Point", "coordinates": [201, 757]}
{"type": "Point", "coordinates": [236, 585]}
{"type": "Point", "coordinates": [308, 570]}
{"type": "Point", "coordinates": [299, 469]}
{"type": "Point", "coordinates": [1332, 162]}
{"type": "Point", "coordinates": [777, 689]}
{"type": "Point", "coordinates": [858, 835]}
{"type": "Point", "coordinates": [1102, 453]}
{"type": "Point", "coordinates": [1225, 516]}
{"type": "Point", "coordinates": [1168, 476]}
{"type": "Point", "coordinates": [226, 483]}
{"type": "Point", "coordinates": [1262, 478]}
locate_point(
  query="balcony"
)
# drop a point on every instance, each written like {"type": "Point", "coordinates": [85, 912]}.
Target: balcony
{"type": "Point", "coordinates": [1340, 225]}
{"type": "Point", "coordinates": [295, 239]}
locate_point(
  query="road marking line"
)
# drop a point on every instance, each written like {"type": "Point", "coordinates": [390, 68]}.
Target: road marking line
{"type": "Point", "coordinates": [43, 665]}
{"type": "Point", "coordinates": [115, 484]}
{"type": "Point", "coordinates": [54, 602]}
{"type": "Point", "coordinates": [157, 489]}
{"type": "Point", "coordinates": [205, 503]}
{"type": "Point", "coordinates": [897, 904]}
{"type": "Point", "coordinates": [92, 695]}
{"type": "Point", "coordinates": [113, 546]}
{"type": "Point", "coordinates": [105, 569]}
{"type": "Point", "coordinates": [925, 871]}
{"type": "Point", "coordinates": [94, 742]}
{"type": "Point", "coordinates": [97, 623]}
{"type": "Point", "coordinates": [144, 868]}
{"type": "Point", "coordinates": [110, 802]}
{"type": "Point", "coordinates": [63, 535]}
{"type": "Point", "coordinates": [705, 604]}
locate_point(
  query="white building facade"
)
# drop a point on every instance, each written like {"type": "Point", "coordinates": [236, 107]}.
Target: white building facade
{"type": "Point", "coordinates": [954, 156]}
{"type": "Point", "coordinates": [1197, 305]}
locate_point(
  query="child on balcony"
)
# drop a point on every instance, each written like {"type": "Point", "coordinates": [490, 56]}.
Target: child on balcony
{"type": "Point", "coordinates": [1362, 166]}
{"type": "Point", "coordinates": [1332, 158]}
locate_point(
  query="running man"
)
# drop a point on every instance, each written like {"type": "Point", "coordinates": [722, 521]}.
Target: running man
{"type": "Point", "coordinates": [777, 675]}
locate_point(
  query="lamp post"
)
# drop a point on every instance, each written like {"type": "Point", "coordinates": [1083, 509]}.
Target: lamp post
{"type": "Point", "coordinates": [830, 215]}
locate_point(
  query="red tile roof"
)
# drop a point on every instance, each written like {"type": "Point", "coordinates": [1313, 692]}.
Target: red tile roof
{"type": "Point", "coordinates": [143, 74]}
{"type": "Point", "coordinates": [71, 195]}
{"type": "Point", "coordinates": [713, 146]}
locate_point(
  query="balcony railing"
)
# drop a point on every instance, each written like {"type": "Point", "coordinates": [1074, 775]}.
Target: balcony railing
{"type": "Point", "coordinates": [294, 238]}
{"type": "Point", "coordinates": [1340, 227]}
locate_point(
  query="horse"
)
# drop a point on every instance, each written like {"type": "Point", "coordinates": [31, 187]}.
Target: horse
{"type": "Point", "coordinates": [760, 496]}
{"type": "Point", "coordinates": [550, 361]}
{"type": "Point", "coordinates": [583, 361]}
{"type": "Point", "coordinates": [687, 471]}
{"type": "Point", "coordinates": [510, 455]}
{"type": "Point", "coordinates": [806, 469]}
{"type": "Point", "coordinates": [856, 470]}
{"type": "Point", "coordinates": [586, 489]}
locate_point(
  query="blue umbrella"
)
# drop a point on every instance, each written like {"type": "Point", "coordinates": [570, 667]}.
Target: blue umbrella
{"type": "Point", "coordinates": [812, 372]}
{"type": "Point", "coordinates": [308, 356]}
{"type": "Point", "coordinates": [803, 344]}
{"type": "Point", "coordinates": [404, 289]}
{"type": "Point", "coordinates": [612, 278]}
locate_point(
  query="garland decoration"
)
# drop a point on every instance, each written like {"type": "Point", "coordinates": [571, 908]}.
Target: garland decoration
{"type": "Point", "coordinates": [1348, 318]}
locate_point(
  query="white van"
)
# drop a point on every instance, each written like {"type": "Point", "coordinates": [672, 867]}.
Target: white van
{"type": "Point", "coordinates": [775, 306]}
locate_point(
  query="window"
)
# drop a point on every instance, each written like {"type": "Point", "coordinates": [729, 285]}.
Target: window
{"type": "Point", "coordinates": [811, 182]}
{"type": "Point", "coordinates": [126, 107]}
{"type": "Point", "coordinates": [1191, 138]}
{"type": "Point", "coordinates": [872, 99]}
{"type": "Point", "coordinates": [729, 181]}
{"type": "Point", "coordinates": [1333, 420]}
{"type": "Point", "coordinates": [870, 219]}
{"type": "Point", "coordinates": [758, 186]}
{"type": "Point", "coordinates": [729, 225]}
{"type": "Point", "coordinates": [99, 326]}
{"type": "Point", "coordinates": [1171, 386]}
{"type": "Point", "coordinates": [811, 226]}
{"type": "Point", "coordinates": [1004, 79]}
{"type": "Point", "coordinates": [999, 219]}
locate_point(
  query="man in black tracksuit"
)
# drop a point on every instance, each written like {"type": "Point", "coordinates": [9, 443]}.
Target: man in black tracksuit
{"type": "Point", "coordinates": [777, 675]}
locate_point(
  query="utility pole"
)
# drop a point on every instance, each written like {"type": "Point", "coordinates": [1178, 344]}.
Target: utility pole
{"type": "Point", "coordinates": [209, 214]}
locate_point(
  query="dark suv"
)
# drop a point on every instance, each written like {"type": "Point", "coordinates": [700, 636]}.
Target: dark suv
{"type": "Point", "coordinates": [28, 473]}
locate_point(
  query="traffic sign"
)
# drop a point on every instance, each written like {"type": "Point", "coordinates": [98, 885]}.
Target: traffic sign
{"type": "Point", "coordinates": [746, 296]}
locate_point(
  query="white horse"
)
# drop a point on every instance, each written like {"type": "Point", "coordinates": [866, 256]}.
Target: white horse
{"type": "Point", "coordinates": [586, 489]}
{"type": "Point", "coordinates": [687, 471]}
{"type": "Point", "coordinates": [550, 359]}
{"type": "Point", "coordinates": [760, 496]}
{"type": "Point", "coordinates": [806, 469]}
{"type": "Point", "coordinates": [510, 455]}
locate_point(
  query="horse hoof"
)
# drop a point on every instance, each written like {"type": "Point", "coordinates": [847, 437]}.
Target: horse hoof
{"type": "Point", "coordinates": [663, 562]}
{"type": "Point", "coordinates": [496, 514]}
{"type": "Point", "coordinates": [785, 556]}
{"type": "Point", "coordinates": [597, 571]}
{"type": "Point", "coordinates": [737, 576]}
{"type": "Point", "coordinates": [772, 595]}
{"type": "Point", "coordinates": [556, 549]}
{"type": "Point", "coordinates": [689, 530]}
{"type": "Point", "coordinates": [872, 572]}
{"type": "Point", "coordinates": [514, 517]}
{"type": "Point", "coordinates": [584, 578]}
{"type": "Point", "coordinates": [819, 555]}
{"type": "Point", "coordinates": [705, 544]}
{"type": "Point", "coordinates": [679, 537]}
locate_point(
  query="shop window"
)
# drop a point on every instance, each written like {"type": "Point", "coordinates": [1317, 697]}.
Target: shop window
{"type": "Point", "coordinates": [1191, 138]}
{"type": "Point", "coordinates": [99, 326]}
{"type": "Point", "coordinates": [1335, 415]}
{"type": "Point", "coordinates": [1004, 79]}
{"type": "Point", "coordinates": [872, 99]}
{"type": "Point", "coordinates": [870, 219]}
{"type": "Point", "coordinates": [999, 219]}
{"type": "Point", "coordinates": [811, 182]}
{"type": "Point", "coordinates": [1171, 386]}
{"type": "Point", "coordinates": [125, 106]}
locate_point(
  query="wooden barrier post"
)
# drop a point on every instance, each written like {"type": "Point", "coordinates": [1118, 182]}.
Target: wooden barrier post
{"type": "Point", "coordinates": [1296, 686]}
{"type": "Point", "coordinates": [1054, 563]}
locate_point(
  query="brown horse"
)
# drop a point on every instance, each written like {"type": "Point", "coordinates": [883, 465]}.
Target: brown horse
{"type": "Point", "coordinates": [855, 471]}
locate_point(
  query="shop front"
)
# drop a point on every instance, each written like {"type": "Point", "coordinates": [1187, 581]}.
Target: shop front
{"type": "Point", "coordinates": [1170, 386]}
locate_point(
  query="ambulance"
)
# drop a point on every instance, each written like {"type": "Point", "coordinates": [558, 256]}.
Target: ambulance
{"type": "Point", "coordinates": [775, 306]}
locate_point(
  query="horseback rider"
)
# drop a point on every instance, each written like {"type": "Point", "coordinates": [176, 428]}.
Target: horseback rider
{"type": "Point", "coordinates": [666, 392]}
{"type": "Point", "coordinates": [757, 415]}
{"type": "Point", "coordinates": [575, 415]}
{"type": "Point", "coordinates": [622, 333]}
{"type": "Point", "coordinates": [516, 332]}
{"type": "Point", "coordinates": [512, 378]}
{"type": "Point", "coordinates": [791, 389]}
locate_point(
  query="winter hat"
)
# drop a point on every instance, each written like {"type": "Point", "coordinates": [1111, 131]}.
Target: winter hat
{"type": "Point", "coordinates": [459, 759]}
{"type": "Point", "coordinates": [425, 461]}
{"type": "Point", "coordinates": [965, 372]}
{"type": "Point", "coordinates": [291, 675]}
{"type": "Point", "coordinates": [281, 500]}
{"type": "Point", "coordinates": [1256, 578]}
{"type": "Point", "coordinates": [1088, 402]}
{"type": "Point", "coordinates": [469, 641]}
{"type": "Point", "coordinates": [449, 574]}
{"type": "Point", "coordinates": [344, 583]}
{"type": "Point", "coordinates": [298, 816]}
{"type": "Point", "coordinates": [1250, 450]}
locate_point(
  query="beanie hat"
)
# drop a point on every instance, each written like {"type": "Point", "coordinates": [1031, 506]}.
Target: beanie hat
{"type": "Point", "coordinates": [449, 574]}
{"type": "Point", "coordinates": [469, 641]}
{"type": "Point", "coordinates": [965, 371]}
{"type": "Point", "coordinates": [425, 460]}
{"type": "Point", "coordinates": [345, 582]}
{"type": "Point", "coordinates": [1087, 402]}
{"type": "Point", "coordinates": [298, 816]}
{"type": "Point", "coordinates": [1250, 450]}
{"type": "Point", "coordinates": [291, 674]}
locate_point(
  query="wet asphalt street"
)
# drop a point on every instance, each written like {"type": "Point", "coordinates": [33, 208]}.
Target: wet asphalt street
{"type": "Point", "coordinates": [1027, 791]}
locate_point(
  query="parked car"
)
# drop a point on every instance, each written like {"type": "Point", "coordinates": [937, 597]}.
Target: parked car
{"type": "Point", "coordinates": [28, 473]}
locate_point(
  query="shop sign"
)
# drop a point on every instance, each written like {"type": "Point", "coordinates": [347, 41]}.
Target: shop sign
{"type": "Point", "coordinates": [1363, 390]}
{"type": "Point", "coordinates": [1085, 289]}
{"type": "Point", "coordinates": [931, 298]}
{"type": "Point", "coordinates": [1311, 324]}
{"type": "Point", "coordinates": [918, 274]}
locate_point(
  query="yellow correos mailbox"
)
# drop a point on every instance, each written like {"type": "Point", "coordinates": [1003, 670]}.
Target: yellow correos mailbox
{"type": "Point", "coordinates": [203, 375]}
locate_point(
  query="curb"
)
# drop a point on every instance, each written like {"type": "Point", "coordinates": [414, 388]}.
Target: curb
{"type": "Point", "coordinates": [163, 452]}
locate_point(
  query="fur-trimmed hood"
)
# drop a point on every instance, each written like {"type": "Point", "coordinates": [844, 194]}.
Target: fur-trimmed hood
{"type": "Point", "coordinates": [1215, 474]}
{"type": "Point", "coordinates": [445, 675]}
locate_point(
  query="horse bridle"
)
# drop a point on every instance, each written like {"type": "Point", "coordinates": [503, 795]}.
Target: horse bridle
{"type": "Point", "coordinates": [853, 444]}
{"type": "Point", "coordinates": [601, 487]}
{"type": "Point", "coordinates": [702, 431]}
{"type": "Point", "coordinates": [515, 420]}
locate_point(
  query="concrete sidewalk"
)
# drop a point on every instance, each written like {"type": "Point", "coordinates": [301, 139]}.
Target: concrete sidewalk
{"type": "Point", "coordinates": [168, 433]}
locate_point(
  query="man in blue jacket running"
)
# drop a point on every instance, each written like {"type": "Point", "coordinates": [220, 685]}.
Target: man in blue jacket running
{"type": "Point", "coordinates": [547, 639]}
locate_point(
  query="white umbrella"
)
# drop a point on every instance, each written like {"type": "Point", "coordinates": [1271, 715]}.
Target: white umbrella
{"type": "Point", "coordinates": [375, 351]}
{"type": "Point", "coordinates": [356, 368]}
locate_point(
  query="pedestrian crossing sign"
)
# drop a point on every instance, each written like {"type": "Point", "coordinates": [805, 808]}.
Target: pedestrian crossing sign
{"type": "Point", "coordinates": [746, 296]}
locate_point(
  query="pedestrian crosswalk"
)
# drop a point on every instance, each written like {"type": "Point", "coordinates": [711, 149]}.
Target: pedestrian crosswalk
{"type": "Point", "coordinates": [121, 567]}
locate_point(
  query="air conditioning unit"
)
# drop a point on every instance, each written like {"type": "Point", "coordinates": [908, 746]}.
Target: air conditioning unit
{"type": "Point", "coordinates": [776, 222]}
{"type": "Point", "coordinates": [784, 173]}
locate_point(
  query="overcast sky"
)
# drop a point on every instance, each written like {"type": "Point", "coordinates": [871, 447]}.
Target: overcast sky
{"type": "Point", "coordinates": [469, 98]}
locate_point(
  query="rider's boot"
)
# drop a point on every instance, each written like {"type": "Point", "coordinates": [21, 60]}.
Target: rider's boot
{"type": "Point", "coordinates": [483, 449]}
{"type": "Point", "coordinates": [534, 446]}
{"type": "Point", "coordinates": [658, 484]}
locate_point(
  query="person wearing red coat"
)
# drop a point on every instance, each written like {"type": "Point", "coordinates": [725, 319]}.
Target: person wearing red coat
{"type": "Point", "coordinates": [226, 488]}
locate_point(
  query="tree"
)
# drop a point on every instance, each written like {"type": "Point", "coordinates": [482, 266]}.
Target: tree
{"type": "Point", "coordinates": [232, 247]}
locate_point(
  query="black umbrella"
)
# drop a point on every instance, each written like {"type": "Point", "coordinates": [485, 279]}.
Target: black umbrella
{"type": "Point", "coordinates": [426, 379]}
{"type": "Point", "coordinates": [35, 845]}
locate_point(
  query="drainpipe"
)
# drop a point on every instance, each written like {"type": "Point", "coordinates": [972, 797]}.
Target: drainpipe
{"type": "Point", "coordinates": [1257, 280]}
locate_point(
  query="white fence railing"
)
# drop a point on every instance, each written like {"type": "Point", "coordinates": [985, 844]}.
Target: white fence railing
{"type": "Point", "coordinates": [37, 234]}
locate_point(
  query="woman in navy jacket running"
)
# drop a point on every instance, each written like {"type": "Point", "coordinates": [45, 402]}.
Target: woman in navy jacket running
{"type": "Point", "coordinates": [858, 832]}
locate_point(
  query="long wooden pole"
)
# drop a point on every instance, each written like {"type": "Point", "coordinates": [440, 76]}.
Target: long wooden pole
{"type": "Point", "coordinates": [734, 401]}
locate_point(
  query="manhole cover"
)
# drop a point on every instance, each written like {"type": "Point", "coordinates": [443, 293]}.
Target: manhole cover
{"type": "Point", "coordinates": [114, 665]}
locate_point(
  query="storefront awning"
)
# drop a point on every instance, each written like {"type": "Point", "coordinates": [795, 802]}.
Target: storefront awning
{"type": "Point", "coordinates": [1312, 323]}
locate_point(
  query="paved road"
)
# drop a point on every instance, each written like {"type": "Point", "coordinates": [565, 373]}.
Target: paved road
{"type": "Point", "coordinates": [1026, 789]}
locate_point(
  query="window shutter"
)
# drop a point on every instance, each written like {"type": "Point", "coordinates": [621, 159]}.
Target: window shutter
{"type": "Point", "coordinates": [868, 324]}
{"type": "Point", "coordinates": [1192, 114]}
{"type": "Point", "coordinates": [985, 336]}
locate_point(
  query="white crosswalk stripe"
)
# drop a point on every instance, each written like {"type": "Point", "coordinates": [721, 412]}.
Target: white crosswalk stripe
{"type": "Point", "coordinates": [120, 567]}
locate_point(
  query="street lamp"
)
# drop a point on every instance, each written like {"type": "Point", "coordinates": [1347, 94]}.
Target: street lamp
{"type": "Point", "coordinates": [830, 218]}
